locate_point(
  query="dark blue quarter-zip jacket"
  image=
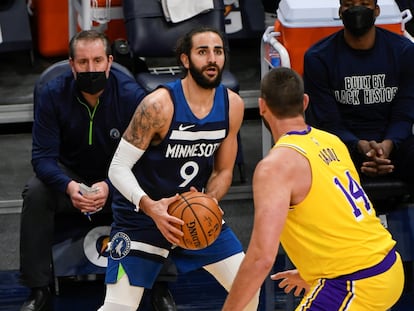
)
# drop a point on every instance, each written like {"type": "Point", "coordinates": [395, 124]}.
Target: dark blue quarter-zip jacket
{"type": "Point", "coordinates": [68, 131]}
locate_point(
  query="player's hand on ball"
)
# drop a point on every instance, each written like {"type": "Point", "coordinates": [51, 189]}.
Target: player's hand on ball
{"type": "Point", "coordinates": [166, 223]}
{"type": "Point", "coordinates": [291, 279]}
{"type": "Point", "coordinates": [202, 219]}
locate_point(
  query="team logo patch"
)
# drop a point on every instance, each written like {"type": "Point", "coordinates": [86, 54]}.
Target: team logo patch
{"type": "Point", "coordinates": [114, 133]}
{"type": "Point", "coordinates": [120, 246]}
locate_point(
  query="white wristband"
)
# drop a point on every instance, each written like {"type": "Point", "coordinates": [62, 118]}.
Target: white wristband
{"type": "Point", "coordinates": [120, 172]}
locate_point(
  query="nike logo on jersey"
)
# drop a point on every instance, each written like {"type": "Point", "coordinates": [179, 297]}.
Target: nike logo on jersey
{"type": "Point", "coordinates": [183, 127]}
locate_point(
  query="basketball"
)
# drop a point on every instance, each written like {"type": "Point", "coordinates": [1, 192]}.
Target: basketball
{"type": "Point", "coordinates": [202, 219]}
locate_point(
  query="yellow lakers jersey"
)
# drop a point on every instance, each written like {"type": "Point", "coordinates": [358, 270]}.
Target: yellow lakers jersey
{"type": "Point", "coordinates": [334, 231]}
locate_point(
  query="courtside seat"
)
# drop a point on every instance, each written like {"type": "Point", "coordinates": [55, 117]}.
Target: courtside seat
{"type": "Point", "coordinates": [151, 36]}
{"type": "Point", "coordinates": [151, 80]}
{"type": "Point", "coordinates": [48, 74]}
{"type": "Point", "coordinates": [387, 188]}
{"type": "Point", "coordinates": [79, 249]}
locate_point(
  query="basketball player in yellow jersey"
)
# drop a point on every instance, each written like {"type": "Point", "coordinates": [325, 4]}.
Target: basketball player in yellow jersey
{"type": "Point", "coordinates": [308, 196]}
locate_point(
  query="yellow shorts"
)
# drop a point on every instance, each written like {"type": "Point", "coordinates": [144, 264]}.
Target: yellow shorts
{"type": "Point", "coordinates": [361, 291]}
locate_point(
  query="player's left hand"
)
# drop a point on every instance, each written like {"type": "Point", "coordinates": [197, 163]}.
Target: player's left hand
{"type": "Point", "coordinates": [291, 279]}
{"type": "Point", "coordinates": [194, 189]}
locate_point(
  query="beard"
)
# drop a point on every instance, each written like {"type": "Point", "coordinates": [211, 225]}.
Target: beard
{"type": "Point", "coordinates": [203, 81]}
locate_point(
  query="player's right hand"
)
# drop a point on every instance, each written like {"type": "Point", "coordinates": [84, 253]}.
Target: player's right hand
{"type": "Point", "coordinates": [158, 211]}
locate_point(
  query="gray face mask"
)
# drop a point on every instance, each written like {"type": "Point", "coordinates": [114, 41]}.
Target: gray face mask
{"type": "Point", "coordinates": [91, 82]}
{"type": "Point", "coordinates": [358, 20]}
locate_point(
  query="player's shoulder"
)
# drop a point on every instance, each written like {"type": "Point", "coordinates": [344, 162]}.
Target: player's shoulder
{"type": "Point", "coordinates": [158, 103]}
{"type": "Point", "coordinates": [159, 95]}
{"type": "Point", "coordinates": [283, 159]}
{"type": "Point", "coordinates": [235, 99]}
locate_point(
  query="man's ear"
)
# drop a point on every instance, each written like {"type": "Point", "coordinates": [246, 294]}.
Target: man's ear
{"type": "Point", "coordinates": [377, 11]}
{"type": "Point", "coordinates": [110, 61]}
{"type": "Point", "coordinates": [305, 102]}
{"type": "Point", "coordinates": [71, 64]}
{"type": "Point", "coordinates": [184, 60]}
{"type": "Point", "coordinates": [262, 105]}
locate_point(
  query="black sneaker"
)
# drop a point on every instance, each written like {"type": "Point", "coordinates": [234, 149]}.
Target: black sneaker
{"type": "Point", "coordinates": [39, 300]}
{"type": "Point", "coordinates": [161, 298]}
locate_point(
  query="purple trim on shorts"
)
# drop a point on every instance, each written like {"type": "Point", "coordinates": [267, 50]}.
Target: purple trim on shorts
{"type": "Point", "coordinates": [379, 268]}
{"type": "Point", "coordinates": [331, 294]}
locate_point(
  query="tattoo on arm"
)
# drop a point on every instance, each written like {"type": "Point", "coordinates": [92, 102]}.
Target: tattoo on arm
{"type": "Point", "coordinates": [148, 120]}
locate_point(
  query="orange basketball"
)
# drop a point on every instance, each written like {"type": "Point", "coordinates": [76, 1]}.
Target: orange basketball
{"type": "Point", "coordinates": [202, 219]}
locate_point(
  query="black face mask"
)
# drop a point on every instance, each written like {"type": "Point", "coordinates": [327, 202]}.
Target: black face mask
{"type": "Point", "coordinates": [358, 20]}
{"type": "Point", "coordinates": [91, 82]}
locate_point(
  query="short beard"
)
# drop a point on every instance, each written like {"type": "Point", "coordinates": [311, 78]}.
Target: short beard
{"type": "Point", "coordinates": [203, 81]}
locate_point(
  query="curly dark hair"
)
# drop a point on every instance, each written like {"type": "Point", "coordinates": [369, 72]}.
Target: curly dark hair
{"type": "Point", "coordinates": [185, 43]}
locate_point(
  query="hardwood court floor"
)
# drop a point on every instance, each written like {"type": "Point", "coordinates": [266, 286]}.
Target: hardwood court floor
{"type": "Point", "coordinates": [195, 291]}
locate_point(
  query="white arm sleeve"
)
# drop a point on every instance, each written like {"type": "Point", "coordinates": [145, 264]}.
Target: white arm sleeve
{"type": "Point", "coordinates": [120, 172]}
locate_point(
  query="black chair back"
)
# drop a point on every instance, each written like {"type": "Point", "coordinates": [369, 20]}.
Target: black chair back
{"type": "Point", "coordinates": [150, 35]}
